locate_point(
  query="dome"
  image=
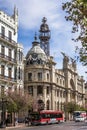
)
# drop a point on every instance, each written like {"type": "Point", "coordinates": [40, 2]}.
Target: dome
{"type": "Point", "coordinates": [36, 55]}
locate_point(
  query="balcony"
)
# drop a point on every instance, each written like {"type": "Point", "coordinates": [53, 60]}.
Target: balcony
{"type": "Point", "coordinates": [7, 79]}
{"type": "Point", "coordinates": [7, 58]}
{"type": "Point", "coordinates": [8, 40]}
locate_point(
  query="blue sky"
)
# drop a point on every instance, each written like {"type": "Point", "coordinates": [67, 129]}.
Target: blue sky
{"type": "Point", "coordinates": [31, 13]}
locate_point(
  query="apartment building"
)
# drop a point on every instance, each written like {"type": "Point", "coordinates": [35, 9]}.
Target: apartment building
{"type": "Point", "coordinates": [11, 54]}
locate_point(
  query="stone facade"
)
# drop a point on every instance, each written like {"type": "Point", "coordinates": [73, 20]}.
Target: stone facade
{"type": "Point", "coordinates": [52, 87]}
{"type": "Point", "coordinates": [11, 55]}
{"type": "Point", "coordinates": [37, 74]}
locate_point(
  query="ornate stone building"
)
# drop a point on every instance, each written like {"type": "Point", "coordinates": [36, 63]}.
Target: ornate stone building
{"type": "Point", "coordinates": [38, 75]}
{"type": "Point", "coordinates": [51, 87]}
{"type": "Point", "coordinates": [11, 54]}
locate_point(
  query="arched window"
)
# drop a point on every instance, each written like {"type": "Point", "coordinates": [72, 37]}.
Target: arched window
{"type": "Point", "coordinates": [58, 105]}
{"type": "Point", "coordinates": [40, 105]}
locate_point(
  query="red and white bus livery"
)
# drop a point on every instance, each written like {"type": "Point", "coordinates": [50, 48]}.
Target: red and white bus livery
{"type": "Point", "coordinates": [46, 117]}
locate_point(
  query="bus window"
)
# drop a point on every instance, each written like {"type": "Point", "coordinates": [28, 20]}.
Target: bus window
{"type": "Point", "coordinates": [59, 115]}
{"type": "Point", "coordinates": [43, 116]}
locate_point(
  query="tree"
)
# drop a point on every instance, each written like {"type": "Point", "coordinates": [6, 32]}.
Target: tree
{"type": "Point", "coordinates": [70, 107]}
{"type": "Point", "coordinates": [11, 105]}
{"type": "Point", "coordinates": [23, 102]}
{"type": "Point", "coordinates": [77, 13]}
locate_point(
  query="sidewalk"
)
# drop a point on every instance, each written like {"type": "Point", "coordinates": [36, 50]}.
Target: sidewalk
{"type": "Point", "coordinates": [19, 125]}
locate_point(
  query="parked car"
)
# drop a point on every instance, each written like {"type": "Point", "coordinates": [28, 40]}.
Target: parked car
{"type": "Point", "coordinates": [79, 118]}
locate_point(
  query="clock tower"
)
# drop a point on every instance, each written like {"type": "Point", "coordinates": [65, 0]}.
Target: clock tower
{"type": "Point", "coordinates": [44, 36]}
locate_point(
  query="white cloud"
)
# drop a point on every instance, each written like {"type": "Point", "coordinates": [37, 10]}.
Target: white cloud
{"type": "Point", "coordinates": [31, 11]}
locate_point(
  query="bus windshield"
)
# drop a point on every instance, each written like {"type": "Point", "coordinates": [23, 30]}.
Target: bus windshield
{"type": "Point", "coordinates": [35, 116]}
{"type": "Point", "coordinates": [76, 114]}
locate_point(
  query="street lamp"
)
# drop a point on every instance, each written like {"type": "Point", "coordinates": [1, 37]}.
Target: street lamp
{"type": "Point", "coordinates": [3, 114]}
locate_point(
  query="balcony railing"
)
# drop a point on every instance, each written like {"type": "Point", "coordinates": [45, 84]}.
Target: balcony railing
{"type": "Point", "coordinates": [7, 58]}
{"type": "Point", "coordinates": [8, 39]}
{"type": "Point", "coordinates": [7, 78]}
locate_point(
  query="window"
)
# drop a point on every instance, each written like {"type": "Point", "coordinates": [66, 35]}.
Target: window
{"type": "Point", "coordinates": [57, 80]}
{"type": "Point", "coordinates": [15, 73]}
{"type": "Point", "coordinates": [30, 90]}
{"type": "Point", "coordinates": [64, 94]}
{"type": "Point", "coordinates": [47, 104]}
{"type": "Point", "coordinates": [39, 90]}
{"type": "Point", "coordinates": [29, 76]}
{"type": "Point", "coordinates": [9, 72]}
{"type": "Point", "coordinates": [60, 93]}
{"type": "Point", "coordinates": [47, 76]}
{"type": "Point", "coordinates": [20, 55]}
{"type": "Point", "coordinates": [15, 54]}
{"type": "Point", "coordinates": [9, 54]}
{"type": "Point", "coordinates": [19, 73]}
{"type": "Point", "coordinates": [10, 35]}
{"type": "Point", "coordinates": [60, 81]}
{"type": "Point", "coordinates": [63, 82]}
{"type": "Point", "coordinates": [57, 93]}
{"type": "Point", "coordinates": [2, 51]}
{"type": "Point", "coordinates": [48, 89]}
{"type": "Point", "coordinates": [2, 31]}
{"type": "Point", "coordinates": [58, 105]}
{"type": "Point", "coordinates": [2, 70]}
{"type": "Point", "coordinates": [40, 76]}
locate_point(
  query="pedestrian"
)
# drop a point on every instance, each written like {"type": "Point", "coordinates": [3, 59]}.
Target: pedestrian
{"type": "Point", "coordinates": [16, 121]}
{"type": "Point", "coordinates": [26, 120]}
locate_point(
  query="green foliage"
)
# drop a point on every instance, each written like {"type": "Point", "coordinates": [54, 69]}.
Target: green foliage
{"type": "Point", "coordinates": [70, 107]}
{"type": "Point", "coordinates": [11, 106]}
{"type": "Point", "coordinates": [77, 13]}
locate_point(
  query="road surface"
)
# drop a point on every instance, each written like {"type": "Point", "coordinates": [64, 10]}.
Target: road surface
{"type": "Point", "coordinates": [62, 126]}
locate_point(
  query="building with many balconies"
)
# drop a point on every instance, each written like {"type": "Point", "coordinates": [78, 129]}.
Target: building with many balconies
{"type": "Point", "coordinates": [11, 54]}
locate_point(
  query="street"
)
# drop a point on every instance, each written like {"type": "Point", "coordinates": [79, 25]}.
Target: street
{"type": "Point", "coordinates": [62, 126]}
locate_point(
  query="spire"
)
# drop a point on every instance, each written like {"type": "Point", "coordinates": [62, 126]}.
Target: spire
{"type": "Point", "coordinates": [15, 10]}
{"type": "Point", "coordinates": [35, 37]}
{"type": "Point", "coordinates": [35, 40]}
{"type": "Point", "coordinates": [15, 17]}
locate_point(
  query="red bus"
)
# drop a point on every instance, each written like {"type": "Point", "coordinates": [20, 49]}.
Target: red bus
{"type": "Point", "coordinates": [46, 117]}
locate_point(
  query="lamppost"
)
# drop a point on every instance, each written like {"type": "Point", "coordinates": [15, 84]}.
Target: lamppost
{"type": "Point", "coordinates": [3, 113]}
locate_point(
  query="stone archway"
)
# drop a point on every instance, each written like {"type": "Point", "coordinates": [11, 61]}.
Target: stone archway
{"type": "Point", "coordinates": [40, 105]}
